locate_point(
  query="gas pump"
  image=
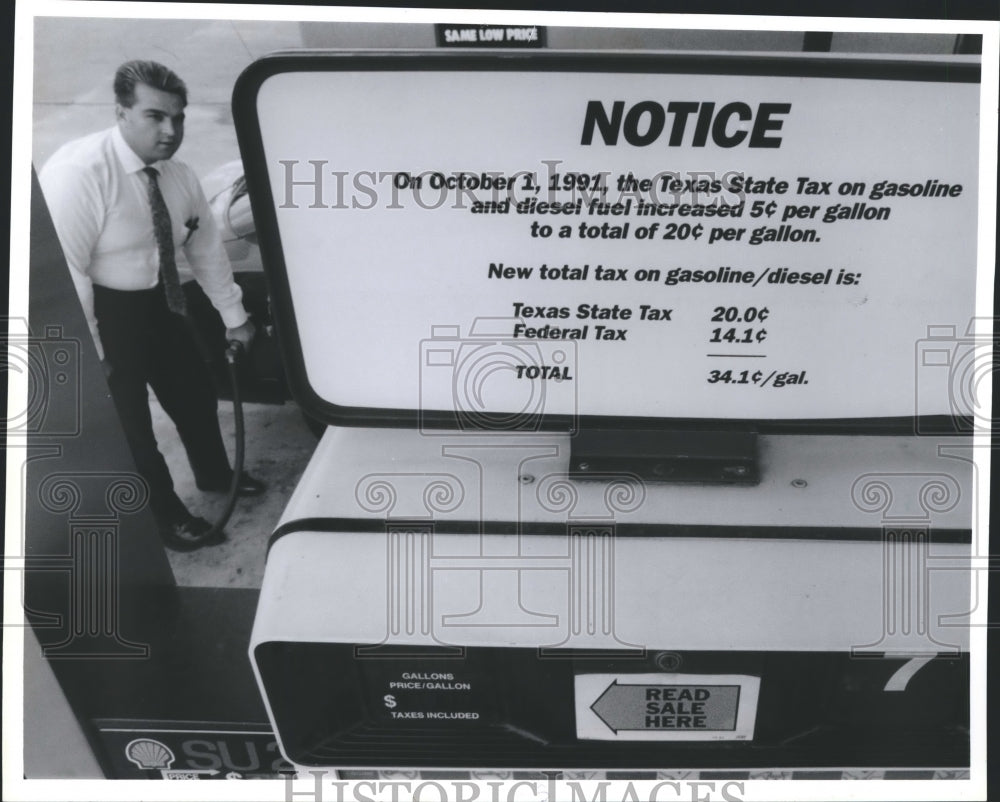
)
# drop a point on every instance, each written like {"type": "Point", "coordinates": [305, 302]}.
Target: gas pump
{"type": "Point", "coordinates": [645, 448]}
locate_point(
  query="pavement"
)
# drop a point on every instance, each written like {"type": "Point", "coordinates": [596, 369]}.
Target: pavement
{"type": "Point", "coordinates": [75, 61]}
{"type": "Point", "coordinates": [278, 446]}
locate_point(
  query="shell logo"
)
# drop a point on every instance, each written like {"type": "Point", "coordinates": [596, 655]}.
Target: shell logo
{"type": "Point", "coordinates": [149, 754]}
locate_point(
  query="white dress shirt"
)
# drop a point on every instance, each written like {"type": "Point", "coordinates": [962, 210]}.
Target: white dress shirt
{"type": "Point", "coordinates": [97, 195]}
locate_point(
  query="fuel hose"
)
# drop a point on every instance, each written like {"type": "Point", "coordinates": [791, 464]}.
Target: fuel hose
{"type": "Point", "coordinates": [233, 353]}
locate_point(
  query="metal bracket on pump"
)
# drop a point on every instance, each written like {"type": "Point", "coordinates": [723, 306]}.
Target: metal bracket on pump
{"type": "Point", "coordinates": [712, 457]}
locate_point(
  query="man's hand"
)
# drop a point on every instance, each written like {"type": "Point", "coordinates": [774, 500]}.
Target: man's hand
{"type": "Point", "coordinates": [242, 334]}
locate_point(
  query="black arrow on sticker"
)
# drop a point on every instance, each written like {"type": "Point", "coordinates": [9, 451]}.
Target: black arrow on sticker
{"type": "Point", "coordinates": [623, 707]}
{"type": "Point", "coordinates": [617, 707]}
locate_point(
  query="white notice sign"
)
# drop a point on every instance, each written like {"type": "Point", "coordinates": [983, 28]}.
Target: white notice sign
{"type": "Point", "coordinates": [620, 237]}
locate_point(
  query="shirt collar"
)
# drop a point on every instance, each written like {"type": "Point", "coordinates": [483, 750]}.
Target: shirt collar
{"type": "Point", "coordinates": [128, 158]}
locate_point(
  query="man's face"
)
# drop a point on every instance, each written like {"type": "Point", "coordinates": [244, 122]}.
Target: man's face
{"type": "Point", "coordinates": [154, 125]}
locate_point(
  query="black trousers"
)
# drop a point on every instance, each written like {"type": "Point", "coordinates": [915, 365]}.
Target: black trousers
{"type": "Point", "coordinates": [146, 344]}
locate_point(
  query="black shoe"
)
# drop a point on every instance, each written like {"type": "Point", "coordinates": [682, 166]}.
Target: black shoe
{"type": "Point", "coordinates": [247, 487]}
{"type": "Point", "coordinates": [190, 535]}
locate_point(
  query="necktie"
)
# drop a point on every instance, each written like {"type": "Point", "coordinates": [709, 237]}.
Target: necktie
{"type": "Point", "coordinates": [163, 231]}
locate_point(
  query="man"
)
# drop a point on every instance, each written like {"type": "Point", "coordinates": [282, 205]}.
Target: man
{"type": "Point", "coordinates": [121, 206]}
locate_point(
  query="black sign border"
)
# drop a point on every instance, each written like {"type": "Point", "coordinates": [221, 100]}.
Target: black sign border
{"type": "Point", "coordinates": [244, 105]}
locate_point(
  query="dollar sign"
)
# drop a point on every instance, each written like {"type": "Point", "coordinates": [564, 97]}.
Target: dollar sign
{"type": "Point", "coordinates": [390, 700]}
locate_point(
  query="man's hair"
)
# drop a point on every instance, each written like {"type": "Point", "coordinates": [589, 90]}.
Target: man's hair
{"type": "Point", "coordinates": [146, 72]}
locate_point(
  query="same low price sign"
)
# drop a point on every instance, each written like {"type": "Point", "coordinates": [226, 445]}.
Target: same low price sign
{"type": "Point", "coordinates": [618, 236]}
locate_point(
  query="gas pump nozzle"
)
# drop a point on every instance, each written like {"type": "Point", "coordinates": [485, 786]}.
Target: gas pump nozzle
{"type": "Point", "coordinates": [234, 350]}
